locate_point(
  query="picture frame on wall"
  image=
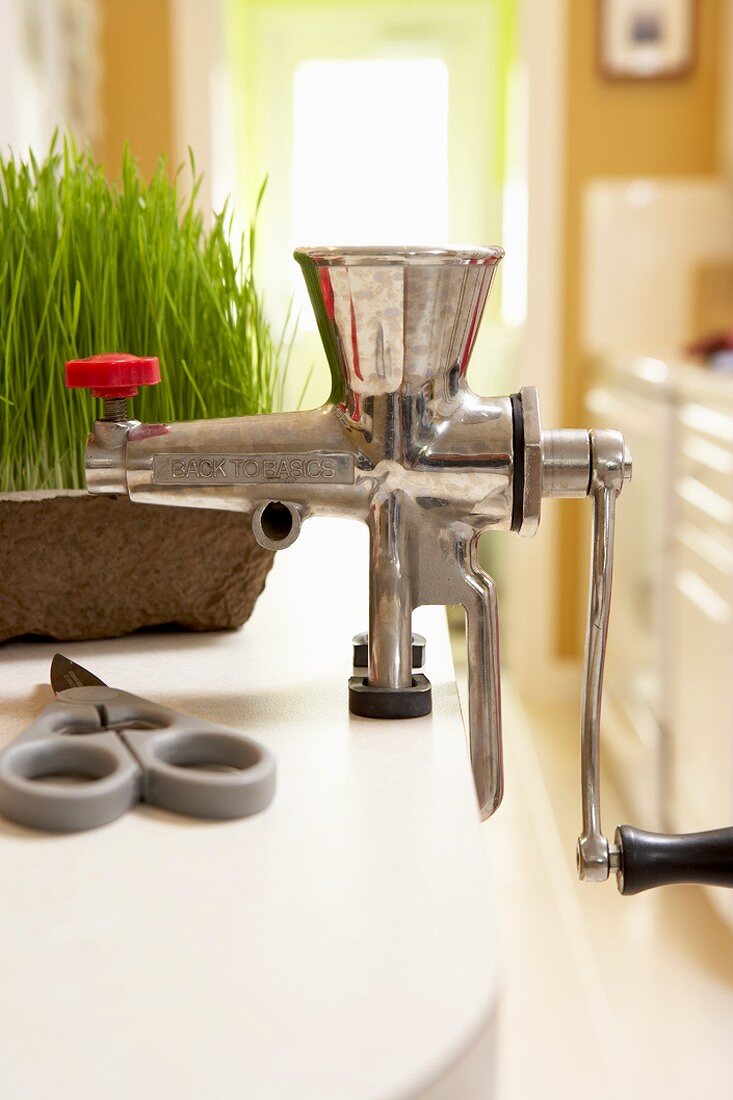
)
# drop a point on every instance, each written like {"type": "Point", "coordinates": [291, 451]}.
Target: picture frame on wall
{"type": "Point", "coordinates": [646, 39]}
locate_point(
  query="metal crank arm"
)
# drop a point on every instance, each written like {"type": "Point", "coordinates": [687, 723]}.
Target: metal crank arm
{"type": "Point", "coordinates": [641, 860]}
{"type": "Point", "coordinates": [607, 473]}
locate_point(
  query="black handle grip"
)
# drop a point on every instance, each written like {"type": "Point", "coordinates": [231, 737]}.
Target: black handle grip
{"type": "Point", "coordinates": [660, 859]}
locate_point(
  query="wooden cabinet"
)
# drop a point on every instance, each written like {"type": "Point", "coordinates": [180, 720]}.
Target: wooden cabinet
{"type": "Point", "coordinates": [702, 605]}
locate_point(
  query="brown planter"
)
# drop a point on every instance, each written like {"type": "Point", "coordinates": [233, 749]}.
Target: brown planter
{"type": "Point", "coordinates": [73, 566]}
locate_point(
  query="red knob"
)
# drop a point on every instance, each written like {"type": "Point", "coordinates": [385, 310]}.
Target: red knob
{"type": "Point", "coordinates": [112, 375]}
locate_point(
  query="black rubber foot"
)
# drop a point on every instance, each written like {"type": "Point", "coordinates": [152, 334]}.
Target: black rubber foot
{"type": "Point", "coordinates": [370, 701]}
{"type": "Point", "coordinates": [361, 650]}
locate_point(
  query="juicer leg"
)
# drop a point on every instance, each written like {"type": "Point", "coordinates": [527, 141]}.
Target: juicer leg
{"type": "Point", "coordinates": [390, 596]}
{"type": "Point", "coordinates": [484, 690]}
{"type": "Point", "coordinates": [390, 690]}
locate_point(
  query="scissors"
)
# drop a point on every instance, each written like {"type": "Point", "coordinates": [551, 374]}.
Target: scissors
{"type": "Point", "coordinates": [96, 751]}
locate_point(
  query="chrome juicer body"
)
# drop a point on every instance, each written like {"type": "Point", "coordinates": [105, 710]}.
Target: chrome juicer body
{"type": "Point", "coordinates": [404, 445]}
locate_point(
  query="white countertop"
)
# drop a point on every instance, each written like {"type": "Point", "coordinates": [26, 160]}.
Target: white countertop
{"type": "Point", "coordinates": [339, 946]}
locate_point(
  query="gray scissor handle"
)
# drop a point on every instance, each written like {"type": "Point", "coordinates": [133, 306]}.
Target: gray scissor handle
{"type": "Point", "coordinates": [129, 749]}
{"type": "Point", "coordinates": [192, 766]}
{"type": "Point", "coordinates": [67, 741]}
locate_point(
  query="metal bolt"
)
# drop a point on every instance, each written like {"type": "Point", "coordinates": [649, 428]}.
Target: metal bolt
{"type": "Point", "coordinates": [115, 409]}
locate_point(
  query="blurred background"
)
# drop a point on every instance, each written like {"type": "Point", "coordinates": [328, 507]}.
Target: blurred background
{"type": "Point", "coordinates": [593, 140]}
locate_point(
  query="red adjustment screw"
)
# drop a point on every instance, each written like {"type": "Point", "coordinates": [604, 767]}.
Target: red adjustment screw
{"type": "Point", "coordinates": [113, 377]}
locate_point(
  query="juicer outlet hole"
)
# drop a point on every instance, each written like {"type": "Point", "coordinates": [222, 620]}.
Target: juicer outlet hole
{"type": "Point", "coordinates": [276, 521]}
{"type": "Point", "coordinates": [276, 524]}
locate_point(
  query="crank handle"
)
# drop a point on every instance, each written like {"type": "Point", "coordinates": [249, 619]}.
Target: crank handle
{"type": "Point", "coordinates": [641, 860]}
{"type": "Point", "coordinates": [646, 859]}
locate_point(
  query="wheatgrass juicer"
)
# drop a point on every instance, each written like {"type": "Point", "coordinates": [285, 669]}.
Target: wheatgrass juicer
{"type": "Point", "coordinates": [405, 445]}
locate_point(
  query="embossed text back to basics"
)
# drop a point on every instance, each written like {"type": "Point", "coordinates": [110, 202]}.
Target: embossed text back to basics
{"type": "Point", "coordinates": [252, 469]}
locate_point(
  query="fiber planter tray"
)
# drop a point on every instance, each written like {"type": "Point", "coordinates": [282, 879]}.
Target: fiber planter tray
{"type": "Point", "coordinates": [73, 566]}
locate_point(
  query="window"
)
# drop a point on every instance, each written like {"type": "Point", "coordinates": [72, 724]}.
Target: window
{"type": "Point", "coordinates": [370, 155]}
{"type": "Point", "coordinates": [375, 124]}
{"type": "Point", "coordinates": [370, 151]}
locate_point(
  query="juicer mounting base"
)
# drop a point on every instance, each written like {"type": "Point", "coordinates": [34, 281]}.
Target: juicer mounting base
{"type": "Point", "coordinates": [371, 701]}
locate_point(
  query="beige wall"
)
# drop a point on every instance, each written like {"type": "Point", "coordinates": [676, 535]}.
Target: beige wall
{"type": "Point", "coordinates": [136, 81]}
{"type": "Point", "coordinates": [621, 128]}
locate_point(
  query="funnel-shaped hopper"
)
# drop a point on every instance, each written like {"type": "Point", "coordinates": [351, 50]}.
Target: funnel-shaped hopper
{"type": "Point", "coordinates": [393, 318]}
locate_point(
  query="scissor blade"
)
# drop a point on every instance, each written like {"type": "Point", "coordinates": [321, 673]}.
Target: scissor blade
{"type": "Point", "coordinates": [67, 674]}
